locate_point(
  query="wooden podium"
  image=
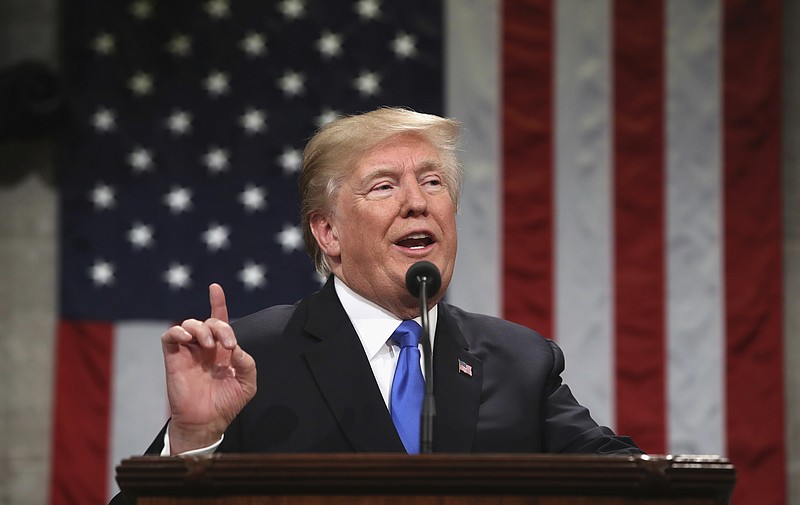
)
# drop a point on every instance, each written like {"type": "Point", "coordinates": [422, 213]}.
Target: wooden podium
{"type": "Point", "coordinates": [444, 479]}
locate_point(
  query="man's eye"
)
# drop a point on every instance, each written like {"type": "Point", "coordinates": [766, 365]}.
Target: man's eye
{"type": "Point", "coordinates": [382, 187]}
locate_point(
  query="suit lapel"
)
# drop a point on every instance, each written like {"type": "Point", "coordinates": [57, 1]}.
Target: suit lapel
{"type": "Point", "coordinates": [457, 387]}
{"type": "Point", "coordinates": [344, 376]}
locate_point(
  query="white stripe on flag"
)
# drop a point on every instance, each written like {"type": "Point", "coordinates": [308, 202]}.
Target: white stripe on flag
{"type": "Point", "coordinates": [695, 333]}
{"type": "Point", "coordinates": [473, 97]}
{"type": "Point", "coordinates": [138, 396]}
{"type": "Point", "coordinates": [583, 189]}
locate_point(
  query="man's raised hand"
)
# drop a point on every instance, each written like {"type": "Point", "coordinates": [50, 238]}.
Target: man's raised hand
{"type": "Point", "coordinates": [209, 377]}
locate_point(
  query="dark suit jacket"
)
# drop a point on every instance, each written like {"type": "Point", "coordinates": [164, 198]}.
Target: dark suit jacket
{"type": "Point", "coordinates": [317, 393]}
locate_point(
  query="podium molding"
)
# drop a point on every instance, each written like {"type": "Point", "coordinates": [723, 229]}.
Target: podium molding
{"type": "Point", "coordinates": [447, 479]}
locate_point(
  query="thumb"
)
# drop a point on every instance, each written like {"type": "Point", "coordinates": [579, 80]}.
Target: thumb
{"type": "Point", "coordinates": [217, 298]}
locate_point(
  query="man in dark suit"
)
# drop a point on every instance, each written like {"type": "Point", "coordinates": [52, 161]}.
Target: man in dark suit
{"type": "Point", "coordinates": [379, 192]}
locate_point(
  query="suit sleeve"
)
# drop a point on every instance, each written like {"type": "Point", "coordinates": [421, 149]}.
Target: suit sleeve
{"type": "Point", "coordinates": [569, 427]}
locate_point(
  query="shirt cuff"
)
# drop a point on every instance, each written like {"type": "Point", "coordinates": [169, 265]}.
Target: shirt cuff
{"type": "Point", "coordinates": [204, 451]}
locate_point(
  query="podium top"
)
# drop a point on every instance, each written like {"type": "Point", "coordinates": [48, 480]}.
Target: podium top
{"type": "Point", "coordinates": [708, 477]}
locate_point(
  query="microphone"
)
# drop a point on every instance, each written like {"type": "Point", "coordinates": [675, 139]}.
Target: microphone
{"type": "Point", "coordinates": [423, 280]}
{"type": "Point", "coordinates": [423, 272]}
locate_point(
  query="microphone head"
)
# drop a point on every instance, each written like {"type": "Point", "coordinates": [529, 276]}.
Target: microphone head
{"type": "Point", "coordinates": [428, 271]}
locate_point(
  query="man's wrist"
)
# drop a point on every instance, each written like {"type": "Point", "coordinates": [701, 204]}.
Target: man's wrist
{"type": "Point", "coordinates": [182, 441]}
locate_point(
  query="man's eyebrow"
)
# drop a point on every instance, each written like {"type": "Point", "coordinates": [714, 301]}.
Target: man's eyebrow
{"type": "Point", "coordinates": [425, 166]}
{"type": "Point", "coordinates": [379, 172]}
{"type": "Point", "coordinates": [430, 166]}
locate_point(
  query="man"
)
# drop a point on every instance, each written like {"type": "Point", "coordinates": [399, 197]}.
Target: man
{"type": "Point", "coordinates": [379, 192]}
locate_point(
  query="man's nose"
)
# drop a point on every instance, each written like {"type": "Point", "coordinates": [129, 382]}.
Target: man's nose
{"type": "Point", "coordinates": [415, 201]}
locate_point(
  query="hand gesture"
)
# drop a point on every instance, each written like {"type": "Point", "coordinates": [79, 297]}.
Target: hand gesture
{"type": "Point", "coordinates": [209, 377]}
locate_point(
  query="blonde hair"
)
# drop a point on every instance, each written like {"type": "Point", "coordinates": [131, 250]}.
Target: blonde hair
{"type": "Point", "coordinates": [337, 147]}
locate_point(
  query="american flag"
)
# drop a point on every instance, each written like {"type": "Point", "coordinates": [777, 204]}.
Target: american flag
{"type": "Point", "coordinates": [464, 368]}
{"type": "Point", "coordinates": [622, 197]}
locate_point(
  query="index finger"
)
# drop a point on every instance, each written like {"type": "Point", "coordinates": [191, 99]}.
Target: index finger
{"type": "Point", "coordinates": [217, 298]}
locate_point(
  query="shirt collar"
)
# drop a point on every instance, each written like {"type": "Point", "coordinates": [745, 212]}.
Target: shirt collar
{"type": "Point", "coordinates": [374, 324]}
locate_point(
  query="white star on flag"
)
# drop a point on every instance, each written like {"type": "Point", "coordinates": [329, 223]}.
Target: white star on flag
{"type": "Point", "coordinates": [140, 160]}
{"type": "Point", "coordinates": [216, 160]}
{"type": "Point", "coordinates": [404, 45]}
{"type": "Point", "coordinates": [217, 9]}
{"type": "Point", "coordinates": [368, 83]}
{"type": "Point", "coordinates": [178, 276]}
{"type": "Point", "coordinates": [141, 83]}
{"type": "Point", "coordinates": [329, 44]}
{"type": "Point", "coordinates": [326, 116]}
{"type": "Point", "coordinates": [103, 196]}
{"type": "Point", "coordinates": [141, 9]}
{"type": "Point", "coordinates": [253, 275]}
{"type": "Point", "coordinates": [290, 238]}
{"type": "Point", "coordinates": [104, 120]}
{"type": "Point", "coordinates": [292, 9]}
{"type": "Point", "coordinates": [179, 199]}
{"type": "Point", "coordinates": [253, 198]}
{"type": "Point", "coordinates": [216, 237]}
{"type": "Point", "coordinates": [253, 121]}
{"type": "Point", "coordinates": [254, 44]}
{"type": "Point", "coordinates": [102, 273]}
{"type": "Point", "coordinates": [140, 236]}
{"type": "Point", "coordinates": [104, 44]}
{"type": "Point", "coordinates": [290, 160]}
{"type": "Point", "coordinates": [368, 9]}
{"type": "Point", "coordinates": [292, 83]}
{"type": "Point", "coordinates": [180, 45]}
{"type": "Point", "coordinates": [179, 122]}
{"type": "Point", "coordinates": [217, 83]}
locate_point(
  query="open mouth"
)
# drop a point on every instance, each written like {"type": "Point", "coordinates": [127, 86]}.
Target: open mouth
{"type": "Point", "coordinates": [415, 241]}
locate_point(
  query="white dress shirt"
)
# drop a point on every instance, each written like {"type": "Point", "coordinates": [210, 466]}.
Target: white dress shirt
{"type": "Point", "coordinates": [374, 326]}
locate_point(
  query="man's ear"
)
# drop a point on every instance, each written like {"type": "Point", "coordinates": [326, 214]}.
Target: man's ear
{"type": "Point", "coordinates": [325, 233]}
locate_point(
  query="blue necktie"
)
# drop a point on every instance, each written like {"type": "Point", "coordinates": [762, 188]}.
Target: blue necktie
{"type": "Point", "coordinates": [408, 386]}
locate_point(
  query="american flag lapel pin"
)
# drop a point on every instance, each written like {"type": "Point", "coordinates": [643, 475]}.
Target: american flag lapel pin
{"type": "Point", "coordinates": [464, 368]}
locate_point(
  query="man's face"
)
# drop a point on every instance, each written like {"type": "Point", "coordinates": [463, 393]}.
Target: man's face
{"type": "Point", "coordinates": [392, 210]}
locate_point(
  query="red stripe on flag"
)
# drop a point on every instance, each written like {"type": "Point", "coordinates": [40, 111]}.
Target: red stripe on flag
{"type": "Point", "coordinates": [527, 119]}
{"type": "Point", "coordinates": [639, 221]}
{"type": "Point", "coordinates": [753, 255]}
{"type": "Point", "coordinates": [82, 413]}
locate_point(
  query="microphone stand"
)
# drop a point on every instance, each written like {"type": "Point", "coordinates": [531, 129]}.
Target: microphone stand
{"type": "Point", "coordinates": [428, 404]}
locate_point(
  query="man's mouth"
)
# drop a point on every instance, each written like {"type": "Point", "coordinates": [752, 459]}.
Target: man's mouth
{"type": "Point", "coordinates": [415, 241]}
